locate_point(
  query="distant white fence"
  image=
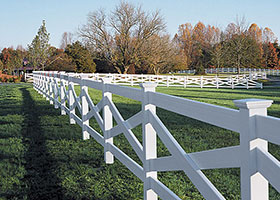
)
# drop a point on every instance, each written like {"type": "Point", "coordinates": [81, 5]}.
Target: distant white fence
{"type": "Point", "coordinates": [236, 81]}
{"type": "Point", "coordinates": [256, 129]}
{"type": "Point", "coordinates": [275, 72]}
{"type": "Point", "coordinates": [28, 77]}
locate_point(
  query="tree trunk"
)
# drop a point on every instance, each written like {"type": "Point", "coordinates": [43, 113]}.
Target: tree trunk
{"type": "Point", "coordinates": [118, 69]}
{"type": "Point", "coordinates": [126, 69]}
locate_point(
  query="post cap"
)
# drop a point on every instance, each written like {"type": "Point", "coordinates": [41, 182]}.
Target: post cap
{"type": "Point", "coordinates": [148, 85]}
{"type": "Point", "coordinates": [252, 103]}
{"type": "Point", "coordinates": [107, 80]}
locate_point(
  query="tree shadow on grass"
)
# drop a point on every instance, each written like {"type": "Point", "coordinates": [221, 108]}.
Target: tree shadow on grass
{"type": "Point", "coordinates": [41, 181]}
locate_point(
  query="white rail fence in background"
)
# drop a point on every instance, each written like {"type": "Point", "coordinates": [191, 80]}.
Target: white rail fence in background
{"type": "Point", "coordinates": [256, 129]}
{"type": "Point", "coordinates": [28, 77]}
{"type": "Point", "coordinates": [235, 81]}
{"type": "Point", "coordinates": [275, 72]}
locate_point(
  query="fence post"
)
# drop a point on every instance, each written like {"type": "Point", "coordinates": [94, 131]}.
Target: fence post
{"type": "Point", "coordinates": [51, 90]}
{"type": "Point", "coordinates": [34, 82]}
{"type": "Point", "coordinates": [55, 92]}
{"type": "Point", "coordinates": [44, 84]}
{"type": "Point", "coordinates": [47, 88]}
{"type": "Point", "coordinates": [85, 109]}
{"type": "Point", "coordinates": [71, 100]}
{"type": "Point", "coordinates": [131, 80]}
{"type": "Point", "coordinates": [167, 81]}
{"type": "Point", "coordinates": [217, 82]}
{"type": "Point", "coordinates": [62, 94]}
{"type": "Point", "coordinates": [38, 82]}
{"type": "Point", "coordinates": [201, 81]}
{"type": "Point", "coordinates": [108, 122]}
{"type": "Point", "coordinates": [185, 81]}
{"type": "Point", "coordinates": [149, 140]}
{"type": "Point", "coordinates": [253, 187]}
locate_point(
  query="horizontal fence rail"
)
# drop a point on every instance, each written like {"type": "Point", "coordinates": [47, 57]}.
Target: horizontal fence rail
{"type": "Point", "coordinates": [258, 166]}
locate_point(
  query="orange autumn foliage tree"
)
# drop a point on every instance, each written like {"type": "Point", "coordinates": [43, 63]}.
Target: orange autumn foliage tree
{"type": "Point", "coordinates": [209, 46]}
{"type": "Point", "coordinates": [272, 57]}
{"type": "Point", "coordinates": [196, 43]}
{"type": "Point", "coordinates": [185, 42]}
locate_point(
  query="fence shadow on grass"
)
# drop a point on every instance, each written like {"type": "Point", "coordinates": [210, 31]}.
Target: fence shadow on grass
{"type": "Point", "coordinates": [40, 178]}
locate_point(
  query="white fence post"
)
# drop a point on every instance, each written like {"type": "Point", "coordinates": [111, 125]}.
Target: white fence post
{"type": "Point", "coordinates": [47, 87]}
{"type": "Point", "coordinates": [71, 100]}
{"type": "Point", "coordinates": [85, 109]}
{"type": "Point", "coordinates": [38, 86]}
{"type": "Point", "coordinates": [149, 140]}
{"type": "Point", "coordinates": [185, 81]}
{"type": "Point", "coordinates": [55, 92]}
{"type": "Point", "coordinates": [108, 122]}
{"type": "Point", "coordinates": [51, 90]}
{"type": "Point", "coordinates": [62, 94]}
{"type": "Point", "coordinates": [44, 86]}
{"type": "Point", "coordinates": [131, 79]}
{"type": "Point", "coordinates": [34, 82]}
{"type": "Point", "coordinates": [201, 81]}
{"type": "Point", "coordinates": [253, 186]}
{"type": "Point", "coordinates": [167, 81]}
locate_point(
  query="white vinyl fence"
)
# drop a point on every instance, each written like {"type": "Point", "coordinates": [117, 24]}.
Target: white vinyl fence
{"type": "Point", "coordinates": [28, 77]}
{"type": "Point", "coordinates": [275, 72]}
{"type": "Point", "coordinates": [236, 81]}
{"type": "Point", "coordinates": [258, 166]}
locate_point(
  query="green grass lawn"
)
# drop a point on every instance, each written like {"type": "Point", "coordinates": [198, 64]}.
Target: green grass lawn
{"type": "Point", "coordinates": [42, 156]}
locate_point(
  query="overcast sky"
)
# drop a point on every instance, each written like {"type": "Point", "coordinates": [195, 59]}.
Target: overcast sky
{"type": "Point", "coordinates": [20, 19]}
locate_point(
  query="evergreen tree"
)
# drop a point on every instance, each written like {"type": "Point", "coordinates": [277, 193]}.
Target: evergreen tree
{"type": "Point", "coordinates": [60, 61]}
{"type": "Point", "coordinates": [39, 48]}
{"type": "Point", "coordinates": [81, 56]}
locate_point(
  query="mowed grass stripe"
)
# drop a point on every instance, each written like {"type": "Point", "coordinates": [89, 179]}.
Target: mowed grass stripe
{"type": "Point", "coordinates": [42, 156]}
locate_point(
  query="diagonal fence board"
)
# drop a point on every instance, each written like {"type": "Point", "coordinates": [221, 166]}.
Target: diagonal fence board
{"type": "Point", "coordinates": [135, 144]}
{"type": "Point", "coordinates": [205, 187]}
{"type": "Point", "coordinates": [269, 167]}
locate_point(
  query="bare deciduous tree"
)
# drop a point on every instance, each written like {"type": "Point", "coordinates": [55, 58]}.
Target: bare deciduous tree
{"type": "Point", "coordinates": [159, 54]}
{"type": "Point", "coordinates": [119, 38]}
{"type": "Point", "coordinates": [67, 38]}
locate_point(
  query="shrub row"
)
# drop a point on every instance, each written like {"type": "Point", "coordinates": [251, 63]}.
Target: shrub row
{"type": "Point", "coordinates": [5, 78]}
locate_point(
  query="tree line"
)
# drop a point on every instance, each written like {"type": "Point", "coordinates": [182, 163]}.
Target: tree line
{"type": "Point", "coordinates": [40, 55]}
{"type": "Point", "coordinates": [131, 40]}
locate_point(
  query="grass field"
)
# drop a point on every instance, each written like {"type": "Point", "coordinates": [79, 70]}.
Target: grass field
{"type": "Point", "coordinates": [42, 156]}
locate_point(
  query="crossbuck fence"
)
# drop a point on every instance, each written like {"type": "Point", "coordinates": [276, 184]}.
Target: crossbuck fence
{"type": "Point", "coordinates": [258, 166]}
{"type": "Point", "coordinates": [235, 81]}
{"type": "Point", "coordinates": [28, 77]}
{"type": "Point", "coordinates": [275, 72]}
